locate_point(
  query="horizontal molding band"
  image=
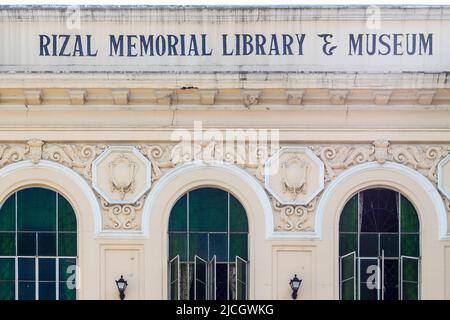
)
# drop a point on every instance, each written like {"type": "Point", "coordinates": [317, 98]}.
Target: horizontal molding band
{"type": "Point", "coordinates": [194, 98]}
{"type": "Point", "coordinates": [305, 136]}
{"type": "Point", "coordinates": [223, 80]}
{"type": "Point", "coordinates": [222, 14]}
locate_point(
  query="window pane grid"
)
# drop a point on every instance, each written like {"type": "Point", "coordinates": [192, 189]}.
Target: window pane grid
{"type": "Point", "coordinates": [208, 237]}
{"type": "Point", "coordinates": [35, 248]}
{"type": "Point", "coordinates": [395, 236]}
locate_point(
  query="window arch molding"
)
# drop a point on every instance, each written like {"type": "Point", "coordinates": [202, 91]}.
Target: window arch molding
{"type": "Point", "coordinates": [390, 175]}
{"type": "Point", "coordinates": [76, 190]}
{"type": "Point", "coordinates": [230, 173]}
{"type": "Point", "coordinates": [227, 177]}
{"type": "Point", "coordinates": [410, 183]}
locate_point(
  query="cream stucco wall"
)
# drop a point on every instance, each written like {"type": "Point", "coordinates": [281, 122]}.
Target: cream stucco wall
{"type": "Point", "coordinates": [386, 128]}
{"type": "Point", "coordinates": [143, 260]}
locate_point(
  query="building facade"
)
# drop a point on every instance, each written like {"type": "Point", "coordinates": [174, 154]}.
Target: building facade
{"type": "Point", "coordinates": [216, 152]}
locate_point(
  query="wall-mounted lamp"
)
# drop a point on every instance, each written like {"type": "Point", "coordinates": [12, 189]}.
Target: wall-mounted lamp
{"type": "Point", "coordinates": [121, 286]}
{"type": "Point", "coordinates": [295, 285]}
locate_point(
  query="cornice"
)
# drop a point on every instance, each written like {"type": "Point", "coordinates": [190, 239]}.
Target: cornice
{"type": "Point", "coordinates": [194, 99]}
{"type": "Point", "coordinates": [225, 80]}
{"type": "Point", "coordinates": [277, 91]}
{"type": "Point", "coordinates": [221, 14]}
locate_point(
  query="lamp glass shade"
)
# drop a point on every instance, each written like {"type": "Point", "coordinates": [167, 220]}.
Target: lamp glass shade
{"type": "Point", "coordinates": [121, 284]}
{"type": "Point", "coordinates": [295, 283]}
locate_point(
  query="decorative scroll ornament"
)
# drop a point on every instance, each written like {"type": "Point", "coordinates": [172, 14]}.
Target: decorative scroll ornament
{"type": "Point", "coordinates": [246, 155]}
{"type": "Point", "coordinates": [294, 218]}
{"type": "Point", "coordinates": [122, 216]}
{"type": "Point", "coordinates": [421, 158]}
{"type": "Point", "coordinates": [159, 158]}
{"type": "Point", "coordinates": [294, 172]}
{"type": "Point", "coordinates": [288, 217]}
{"type": "Point", "coordinates": [12, 153]}
{"type": "Point", "coordinates": [75, 156]}
{"type": "Point", "coordinates": [338, 158]}
{"type": "Point", "coordinates": [122, 175]}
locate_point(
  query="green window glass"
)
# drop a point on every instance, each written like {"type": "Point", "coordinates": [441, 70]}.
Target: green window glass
{"type": "Point", "coordinates": [349, 217]}
{"type": "Point", "coordinates": [197, 245]}
{"type": "Point", "coordinates": [7, 278]}
{"type": "Point", "coordinates": [178, 215]}
{"type": "Point", "coordinates": [208, 230]}
{"type": "Point", "coordinates": [238, 245]}
{"type": "Point", "coordinates": [348, 242]}
{"type": "Point", "coordinates": [410, 245]}
{"type": "Point", "coordinates": [36, 210]}
{"type": "Point", "coordinates": [67, 244]}
{"type": "Point", "coordinates": [208, 210]}
{"type": "Point", "coordinates": [218, 246]}
{"type": "Point", "coordinates": [40, 248]}
{"type": "Point", "coordinates": [67, 220]}
{"type": "Point", "coordinates": [238, 217]}
{"type": "Point", "coordinates": [8, 214]}
{"type": "Point", "coordinates": [26, 244]}
{"type": "Point", "coordinates": [47, 244]}
{"type": "Point", "coordinates": [348, 227]}
{"type": "Point", "coordinates": [7, 244]}
{"type": "Point", "coordinates": [410, 220]}
{"type": "Point", "coordinates": [178, 245]}
{"type": "Point", "coordinates": [379, 237]}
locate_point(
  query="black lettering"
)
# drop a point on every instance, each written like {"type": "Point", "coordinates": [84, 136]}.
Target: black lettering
{"type": "Point", "coordinates": [89, 50]}
{"type": "Point", "coordinates": [247, 46]}
{"type": "Point", "coordinates": [300, 41]}
{"type": "Point", "coordinates": [274, 45]}
{"type": "Point", "coordinates": [78, 46]}
{"type": "Point", "coordinates": [160, 45]}
{"type": "Point", "coordinates": [287, 42]}
{"type": "Point", "coordinates": [355, 45]}
{"type": "Point", "coordinates": [397, 44]}
{"type": "Point", "coordinates": [146, 45]}
{"type": "Point", "coordinates": [385, 44]}
{"type": "Point", "coordinates": [172, 41]}
{"type": "Point", "coordinates": [193, 48]}
{"type": "Point", "coordinates": [260, 41]}
{"type": "Point", "coordinates": [115, 45]}
{"type": "Point", "coordinates": [63, 47]}
{"type": "Point", "coordinates": [224, 46]}
{"type": "Point", "coordinates": [204, 50]}
{"type": "Point", "coordinates": [44, 41]}
{"type": "Point", "coordinates": [426, 45]}
{"type": "Point", "coordinates": [131, 45]}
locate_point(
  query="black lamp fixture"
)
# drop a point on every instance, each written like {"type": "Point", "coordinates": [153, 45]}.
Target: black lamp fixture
{"type": "Point", "coordinates": [295, 285]}
{"type": "Point", "coordinates": [121, 286]}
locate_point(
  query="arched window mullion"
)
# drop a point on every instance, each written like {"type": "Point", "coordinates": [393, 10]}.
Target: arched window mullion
{"type": "Point", "coordinates": [394, 221]}
{"type": "Point", "coordinates": [35, 246]}
{"type": "Point", "coordinates": [215, 221]}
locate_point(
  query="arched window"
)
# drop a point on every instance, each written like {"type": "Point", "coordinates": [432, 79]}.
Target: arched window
{"type": "Point", "coordinates": [208, 247]}
{"type": "Point", "coordinates": [38, 246]}
{"type": "Point", "coordinates": [379, 247]}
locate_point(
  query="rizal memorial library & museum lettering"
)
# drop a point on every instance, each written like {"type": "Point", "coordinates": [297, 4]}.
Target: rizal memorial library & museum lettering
{"type": "Point", "coordinates": [224, 153]}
